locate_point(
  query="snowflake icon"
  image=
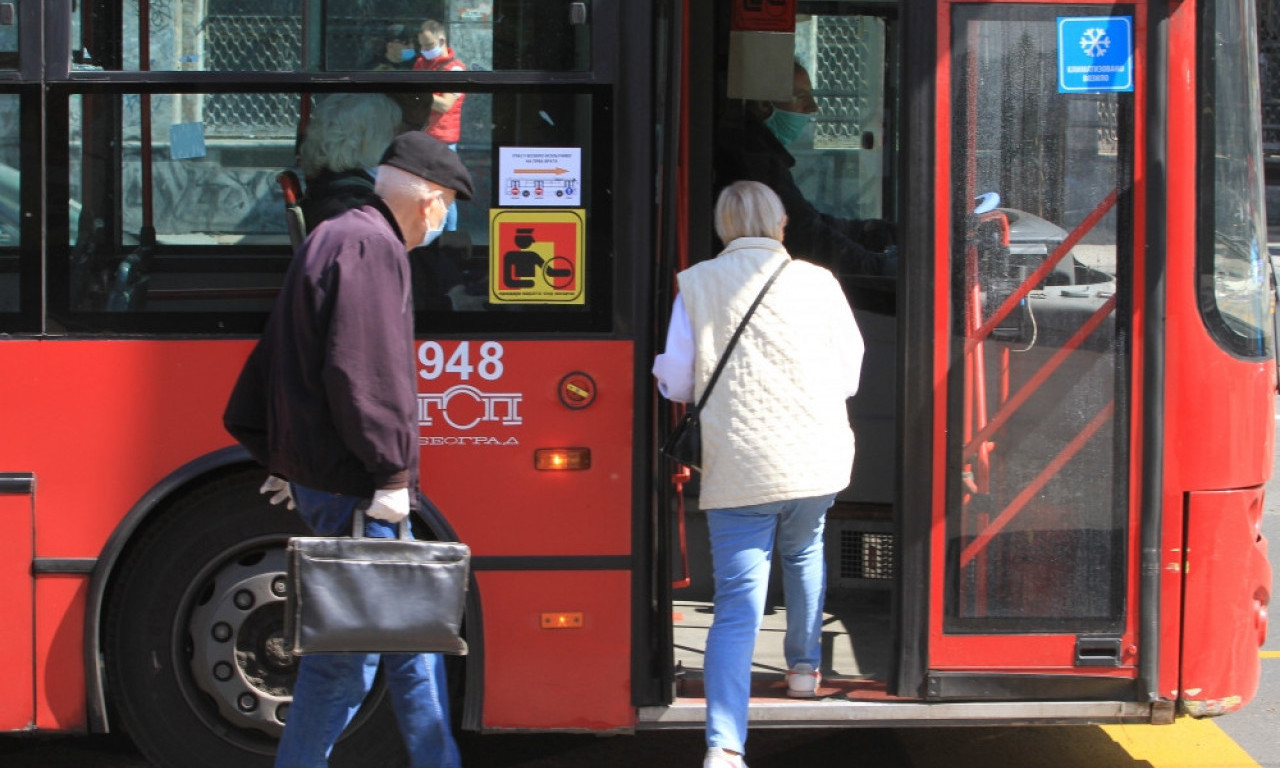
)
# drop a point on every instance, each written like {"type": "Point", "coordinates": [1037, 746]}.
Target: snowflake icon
{"type": "Point", "coordinates": [1095, 42]}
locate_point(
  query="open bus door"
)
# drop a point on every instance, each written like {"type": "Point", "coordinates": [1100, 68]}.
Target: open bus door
{"type": "Point", "coordinates": [1032, 585]}
{"type": "Point", "coordinates": [986, 548]}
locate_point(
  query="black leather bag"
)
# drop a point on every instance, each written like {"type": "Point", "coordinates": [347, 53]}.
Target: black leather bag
{"type": "Point", "coordinates": [684, 444]}
{"type": "Point", "coordinates": [353, 594]}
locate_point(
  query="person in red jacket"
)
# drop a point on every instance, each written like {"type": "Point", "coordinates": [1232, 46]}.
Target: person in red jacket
{"type": "Point", "coordinates": [444, 119]}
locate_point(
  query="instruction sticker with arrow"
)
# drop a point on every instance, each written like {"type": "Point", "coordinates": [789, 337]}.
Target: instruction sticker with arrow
{"type": "Point", "coordinates": [540, 176]}
{"type": "Point", "coordinates": [536, 257]}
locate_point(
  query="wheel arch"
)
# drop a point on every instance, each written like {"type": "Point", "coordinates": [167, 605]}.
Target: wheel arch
{"type": "Point", "coordinates": [176, 483]}
{"type": "Point", "coordinates": [183, 480]}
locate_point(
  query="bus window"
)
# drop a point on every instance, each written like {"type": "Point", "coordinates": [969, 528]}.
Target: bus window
{"type": "Point", "coordinates": [9, 37]}
{"type": "Point", "coordinates": [176, 209]}
{"type": "Point", "coordinates": [304, 35]}
{"type": "Point", "coordinates": [840, 164]}
{"type": "Point", "coordinates": [1234, 289]}
{"type": "Point", "coordinates": [10, 204]}
{"type": "Point", "coordinates": [1038, 501]}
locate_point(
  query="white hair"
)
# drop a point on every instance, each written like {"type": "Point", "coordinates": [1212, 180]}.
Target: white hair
{"type": "Point", "coordinates": [349, 131]}
{"type": "Point", "coordinates": [748, 209]}
{"type": "Point", "coordinates": [393, 183]}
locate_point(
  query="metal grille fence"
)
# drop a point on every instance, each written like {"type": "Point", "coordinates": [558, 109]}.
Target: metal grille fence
{"type": "Point", "coordinates": [839, 86]}
{"type": "Point", "coordinates": [239, 43]}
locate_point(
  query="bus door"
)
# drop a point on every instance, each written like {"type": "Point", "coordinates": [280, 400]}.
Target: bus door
{"type": "Point", "coordinates": [836, 65]}
{"type": "Point", "coordinates": [1032, 587]}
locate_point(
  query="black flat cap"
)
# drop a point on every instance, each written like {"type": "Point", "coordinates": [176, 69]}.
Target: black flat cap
{"type": "Point", "coordinates": [417, 153]}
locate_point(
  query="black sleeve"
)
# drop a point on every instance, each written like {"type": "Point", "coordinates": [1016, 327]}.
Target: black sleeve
{"type": "Point", "coordinates": [368, 366]}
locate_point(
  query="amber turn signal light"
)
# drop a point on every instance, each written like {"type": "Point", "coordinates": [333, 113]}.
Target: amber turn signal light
{"type": "Point", "coordinates": [552, 459]}
{"type": "Point", "coordinates": [562, 620]}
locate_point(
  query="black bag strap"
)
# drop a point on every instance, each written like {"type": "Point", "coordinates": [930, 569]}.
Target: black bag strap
{"type": "Point", "coordinates": [724, 357]}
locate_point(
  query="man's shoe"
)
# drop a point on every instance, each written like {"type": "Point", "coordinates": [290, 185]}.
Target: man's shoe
{"type": "Point", "coordinates": [802, 681]}
{"type": "Point", "coordinates": [717, 757]}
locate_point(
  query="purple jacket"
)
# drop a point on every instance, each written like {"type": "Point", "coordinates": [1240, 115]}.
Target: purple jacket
{"type": "Point", "coordinates": [328, 397]}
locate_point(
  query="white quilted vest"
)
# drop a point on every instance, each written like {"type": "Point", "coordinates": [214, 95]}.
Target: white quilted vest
{"type": "Point", "coordinates": [776, 426]}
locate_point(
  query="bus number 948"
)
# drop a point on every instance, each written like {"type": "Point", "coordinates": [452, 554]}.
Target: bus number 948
{"type": "Point", "coordinates": [434, 362]}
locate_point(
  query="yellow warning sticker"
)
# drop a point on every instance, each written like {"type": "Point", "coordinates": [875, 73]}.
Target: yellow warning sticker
{"type": "Point", "coordinates": [537, 256]}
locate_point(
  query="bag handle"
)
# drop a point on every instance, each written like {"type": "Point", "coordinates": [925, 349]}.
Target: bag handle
{"type": "Point", "coordinates": [724, 357]}
{"type": "Point", "coordinates": [357, 525]}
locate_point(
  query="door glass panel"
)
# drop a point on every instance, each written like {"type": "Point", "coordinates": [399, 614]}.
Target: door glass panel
{"type": "Point", "coordinates": [840, 155]}
{"type": "Point", "coordinates": [1037, 450]}
{"type": "Point", "coordinates": [9, 34]}
{"type": "Point", "coordinates": [296, 35]}
{"type": "Point", "coordinates": [10, 205]}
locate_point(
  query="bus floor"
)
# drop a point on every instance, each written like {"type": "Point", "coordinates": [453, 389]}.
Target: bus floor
{"type": "Point", "coordinates": [856, 646]}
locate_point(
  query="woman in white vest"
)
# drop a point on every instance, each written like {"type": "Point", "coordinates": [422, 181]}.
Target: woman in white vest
{"type": "Point", "coordinates": [776, 442]}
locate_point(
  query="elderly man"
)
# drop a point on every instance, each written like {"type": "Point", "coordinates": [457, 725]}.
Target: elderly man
{"type": "Point", "coordinates": [327, 401]}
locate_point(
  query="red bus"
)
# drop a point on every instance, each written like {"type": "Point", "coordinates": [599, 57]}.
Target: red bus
{"type": "Point", "coordinates": [1065, 424]}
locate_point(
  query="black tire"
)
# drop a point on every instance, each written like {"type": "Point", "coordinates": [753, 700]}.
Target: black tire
{"type": "Point", "coordinates": [197, 672]}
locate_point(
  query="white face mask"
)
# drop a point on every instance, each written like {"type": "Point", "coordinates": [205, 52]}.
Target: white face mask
{"type": "Point", "coordinates": [432, 233]}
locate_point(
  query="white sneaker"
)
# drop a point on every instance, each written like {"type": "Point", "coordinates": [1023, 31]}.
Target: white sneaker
{"type": "Point", "coordinates": [802, 681]}
{"type": "Point", "coordinates": [718, 758]}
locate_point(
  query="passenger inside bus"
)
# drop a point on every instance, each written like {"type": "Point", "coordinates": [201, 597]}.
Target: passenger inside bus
{"type": "Point", "coordinates": [347, 134]}
{"type": "Point", "coordinates": [751, 143]}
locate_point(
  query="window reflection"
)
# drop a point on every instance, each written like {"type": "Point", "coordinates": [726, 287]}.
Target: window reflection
{"type": "Point", "coordinates": [1235, 282]}
{"type": "Point", "coordinates": [1037, 503]}
{"type": "Point", "coordinates": [293, 35]}
{"type": "Point", "coordinates": [190, 216]}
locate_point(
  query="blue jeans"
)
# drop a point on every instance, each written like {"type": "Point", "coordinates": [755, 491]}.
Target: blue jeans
{"type": "Point", "coordinates": [742, 545]}
{"type": "Point", "coordinates": [331, 686]}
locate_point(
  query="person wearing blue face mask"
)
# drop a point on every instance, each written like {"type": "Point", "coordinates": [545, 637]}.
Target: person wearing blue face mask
{"type": "Point", "coordinates": [751, 145]}
{"type": "Point", "coordinates": [441, 117]}
{"type": "Point", "coordinates": [327, 402]}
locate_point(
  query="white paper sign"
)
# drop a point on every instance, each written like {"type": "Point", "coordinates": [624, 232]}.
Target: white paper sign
{"type": "Point", "coordinates": [540, 176]}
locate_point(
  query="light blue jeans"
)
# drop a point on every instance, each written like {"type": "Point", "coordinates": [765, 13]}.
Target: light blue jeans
{"type": "Point", "coordinates": [331, 686]}
{"type": "Point", "coordinates": [743, 540]}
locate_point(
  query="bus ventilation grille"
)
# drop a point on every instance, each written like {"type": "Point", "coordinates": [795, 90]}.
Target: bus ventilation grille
{"type": "Point", "coordinates": [866, 555]}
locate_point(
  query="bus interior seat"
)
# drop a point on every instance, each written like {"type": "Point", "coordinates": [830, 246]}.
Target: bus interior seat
{"type": "Point", "coordinates": [291, 187]}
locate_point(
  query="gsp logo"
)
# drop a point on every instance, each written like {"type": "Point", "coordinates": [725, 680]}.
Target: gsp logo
{"type": "Point", "coordinates": [465, 406]}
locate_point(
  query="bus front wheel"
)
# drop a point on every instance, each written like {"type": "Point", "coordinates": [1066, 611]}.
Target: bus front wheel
{"type": "Point", "coordinates": [198, 672]}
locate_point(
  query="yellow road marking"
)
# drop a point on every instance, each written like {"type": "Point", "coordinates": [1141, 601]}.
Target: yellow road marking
{"type": "Point", "coordinates": [1188, 743]}
{"type": "Point", "coordinates": [1269, 654]}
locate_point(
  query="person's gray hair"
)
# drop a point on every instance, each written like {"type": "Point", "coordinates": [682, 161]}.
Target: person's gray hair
{"type": "Point", "coordinates": [348, 131]}
{"type": "Point", "coordinates": [748, 209]}
{"type": "Point", "coordinates": [393, 184]}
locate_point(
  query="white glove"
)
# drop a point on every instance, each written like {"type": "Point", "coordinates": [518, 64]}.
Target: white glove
{"type": "Point", "coordinates": [389, 505]}
{"type": "Point", "coordinates": [279, 488]}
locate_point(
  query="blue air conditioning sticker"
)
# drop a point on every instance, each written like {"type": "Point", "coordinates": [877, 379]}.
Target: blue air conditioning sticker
{"type": "Point", "coordinates": [1095, 54]}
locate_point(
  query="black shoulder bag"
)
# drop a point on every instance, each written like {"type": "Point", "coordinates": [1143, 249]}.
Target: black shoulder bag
{"type": "Point", "coordinates": [684, 444]}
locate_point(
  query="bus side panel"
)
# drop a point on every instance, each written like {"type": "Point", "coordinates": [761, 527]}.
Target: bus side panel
{"type": "Point", "coordinates": [479, 435]}
{"type": "Point", "coordinates": [60, 685]}
{"type": "Point", "coordinates": [572, 678]}
{"type": "Point", "coordinates": [542, 541]}
{"type": "Point", "coordinates": [103, 421]}
{"type": "Point", "coordinates": [16, 711]}
{"type": "Point", "coordinates": [1228, 587]}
